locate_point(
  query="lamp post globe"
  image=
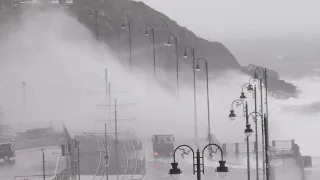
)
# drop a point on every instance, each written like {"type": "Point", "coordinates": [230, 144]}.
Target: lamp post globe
{"type": "Point", "coordinates": [168, 43]}
{"type": "Point", "coordinates": [185, 55]}
{"type": "Point", "coordinates": [198, 67]}
{"type": "Point", "coordinates": [250, 88]}
{"type": "Point", "coordinates": [243, 96]}
{"type": "Point", "coordinates": [175, 171]}
{"type": "Point", "coordinates": [248, 131]}
{"type": "Point", "coordinates": [232, 115]}
{"type": "Point", "coordinates": [222, 170]}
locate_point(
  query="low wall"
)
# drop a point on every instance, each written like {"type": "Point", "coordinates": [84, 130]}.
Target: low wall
{"type": "Point", "coordinates": [310, 161]}
{"type": "Point", "coordinates": [285, 149]}
{"type": "Point", "coordinates": [66, 163]}
{"type": "Point", "coordinates": [45, 141]}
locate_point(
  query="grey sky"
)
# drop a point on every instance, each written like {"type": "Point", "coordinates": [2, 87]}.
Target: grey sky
{"type": "Point", "coordinates": [210, 18]}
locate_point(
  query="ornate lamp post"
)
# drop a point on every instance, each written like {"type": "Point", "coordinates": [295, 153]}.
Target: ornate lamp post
{"type": "Point", "coordinates": [127, 25]}
{"type": "Point", "coordinates": [194, 88]}
{"type": "Point", "coordinates": [254, 115]}
{"type": "Point", "coordinates": [94, 12]}
{"type": "Point", "coordinates": [208, 98]}
{"type": "Point", "coordinates": [151, 28]}
{"type": "Point", "coordinates": [169, 43]}
{"type": "Point", "coordinates": [265, 135]}
{"type": "Point", "coordinates": [222, 170]}
{"type": "Point", "coordinates": [248, 131]}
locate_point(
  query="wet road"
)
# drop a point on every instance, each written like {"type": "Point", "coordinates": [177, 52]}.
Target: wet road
{"type": "Point", "coordinates": [29, 163]}
{"type": "Point", "coordinates": [93, 151]}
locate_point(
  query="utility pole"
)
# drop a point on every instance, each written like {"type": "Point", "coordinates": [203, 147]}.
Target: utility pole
{"type": "Point", "coordinates": [116, 128]}
{"type": "Point", "coordinates": [96, 28]}
{"type": "Point", "coordinates": [105, 124]}
{"type": "Point", "coordinates": [24, 98]}
{"type": "Point", "coordinates": [43, 165]}
{"type": "Point", "coordinates": [78, 154]}
{"type": "Point", "coordinates": [127, 25]}
{"type": "Point", "coordinates": [108, 92]}
{"type": "Point", "coordinates": [116, 134]}
{"type": "Point", "coordinates": [256, 132]}
{"type": "Point", "coordinates": [262, 130]}
{"type": "Point", "coordinates": [266, 126]}
{"type": "Point", "coordinates": [94, 12]}
{"type": "Point", "coordinates": [106, 147]}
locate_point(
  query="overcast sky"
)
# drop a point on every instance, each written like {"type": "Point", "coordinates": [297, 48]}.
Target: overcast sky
{"type": "Point", "coordinates": [210, 18]}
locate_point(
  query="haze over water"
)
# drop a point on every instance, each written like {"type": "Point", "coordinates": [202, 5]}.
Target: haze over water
{"type": "Point", "coordinates": [280, 35]}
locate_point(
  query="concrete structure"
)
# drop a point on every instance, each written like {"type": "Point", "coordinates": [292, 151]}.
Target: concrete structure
{"type": "Point", "coordinates": [131, 161]}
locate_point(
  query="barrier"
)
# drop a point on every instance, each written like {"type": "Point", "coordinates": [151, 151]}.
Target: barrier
{"type": "Point", "coordinates": [307, 161]}
{"type": "Point", "coordinates": [278, 149]}
{"type": "Point", "coordinates": [310, 161]}
{"type": "Point", "coordinates": [315, 161]}
{"type": "Point", "coordinates": [283, 146]}
{"type": "Point", "coordinates": [69, 159]}
{"type": "Point", "coordinates": [299, 160]}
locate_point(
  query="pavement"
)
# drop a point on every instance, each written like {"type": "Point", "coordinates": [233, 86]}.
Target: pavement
{"type": "Point", "coordinates": [288, 170]}
{"type": "Point", "coordinates": [312, 173]}
{"type": "Point", "coordinates": [29, 163]}
{"type": "Point", "coordinates": [158, 169]}
{"type": "Point", "coordinates": [285, 168]}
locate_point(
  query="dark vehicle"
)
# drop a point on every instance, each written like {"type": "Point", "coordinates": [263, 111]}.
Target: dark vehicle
{"type": "Point", "coordinates": [6, 151]}
{"type": "Point", "coordinates": [163, 145]}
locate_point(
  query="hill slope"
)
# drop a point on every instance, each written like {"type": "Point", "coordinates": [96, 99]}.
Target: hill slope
{"type": "Point", "coordinates": [114, 13]}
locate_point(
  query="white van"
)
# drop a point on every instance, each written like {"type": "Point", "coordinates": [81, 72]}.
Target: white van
{"type": "Point", "coordinates": [54, 1]}
{"type": "Point", "coordinates": [69, 1]}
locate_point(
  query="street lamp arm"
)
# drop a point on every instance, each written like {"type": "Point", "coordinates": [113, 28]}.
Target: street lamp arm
{"type": "Point", "coordinates": [190, 48]}
{"type": "Point", "coordinates": [173, 37]}
{"type": "Point", "coordinates": [201, 58]}
{"type": "Point", "coordinates": [259, 68]}
{"type": "Point", "coordinates": [252, 114]}
{"type": "Point", "coordinates": [256, 113]}
{"type": "Point", "coordinates": [253, 80]}
{"type": "Point", "coordinates": [184, 152]}
{"type": "Point", "coordinates": [237, 103]}
{"type": "Point", "coordinates": [150, 28]}
{"type": "Point", "coordinates": [246, 85]}
{"type": "Point", "coordinates": [212, 144]}
{"type": "Point", "coordinates": [127, 16]}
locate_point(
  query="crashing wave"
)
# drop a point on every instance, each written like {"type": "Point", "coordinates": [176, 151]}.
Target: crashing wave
{"type": "Point", "coordinates": [313, 108]}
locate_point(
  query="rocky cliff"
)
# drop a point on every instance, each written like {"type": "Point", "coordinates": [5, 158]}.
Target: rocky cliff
{"type": "Point", "coordinates": [142, 16]}
{"type": "Point", "coordinates": [277, 87]}
{"type": "Point", "coordinates": [112, 14]}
